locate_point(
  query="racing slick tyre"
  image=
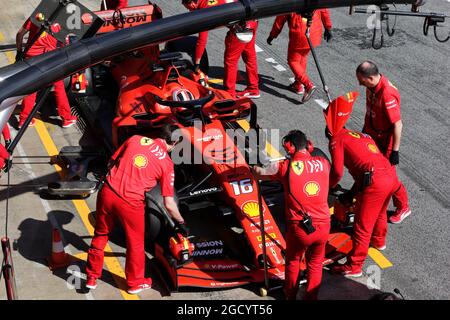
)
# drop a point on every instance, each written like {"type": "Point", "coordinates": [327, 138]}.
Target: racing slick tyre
{"type": "Point", "coordinates": [187, 45]}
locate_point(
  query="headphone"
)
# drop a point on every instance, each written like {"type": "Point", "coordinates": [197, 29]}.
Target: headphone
{"type": "Point", "coordinates": [288, 145]}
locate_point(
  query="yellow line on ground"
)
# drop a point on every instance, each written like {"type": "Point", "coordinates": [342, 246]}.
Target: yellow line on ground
{"type": "Point", "coordinates": [270, 149]}
{"type": "Point", "coordinates": [379, 258]}
{"type": "Point", "coordinates": [111, 262]}
{"type": "Point", "coordinates": [215, 81]}
{"type": "Point", "coordinates": [9, 54]}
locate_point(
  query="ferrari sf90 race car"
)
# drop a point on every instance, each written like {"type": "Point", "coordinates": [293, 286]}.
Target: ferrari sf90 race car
{"type": "Point", "coordinates": [236, 222]}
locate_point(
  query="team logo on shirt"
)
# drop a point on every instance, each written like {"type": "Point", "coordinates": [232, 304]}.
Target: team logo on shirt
{"type": "Point", "coordinates": [251, 209]}
{"type": "Point", "coordinates": [372, 148]}
{"type": "Point", "coordinates": [146, 141]}
{"type": "Point", "coordinates": [311, 189]}
{"type": "Point", "coordinates": [298, 167]}
{"type": "Point", "coordinates": [354, 134]}
{"type": "Point", "coordinates": [212, 2]}
{"type": "Point", "coordinates": [140, 161]}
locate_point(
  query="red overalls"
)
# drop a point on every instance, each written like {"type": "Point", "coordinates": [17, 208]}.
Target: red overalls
{"type": "Point", "coordinates": [138, 165]}
{"type": "Point", "coordinates": [308, 178]}
{"type": "Point", "coordinates": [114, 4]}
{"type": "Point", "coordinates": [298, 48]}
{"type": "Point", "coordinates": [44, 44]}
{"type": "Point", "coordinates": [382, 111]}
{"type": "Point", "coordinates": [358, 153]}
{"type": "Point", "coordinates": [234, 49]}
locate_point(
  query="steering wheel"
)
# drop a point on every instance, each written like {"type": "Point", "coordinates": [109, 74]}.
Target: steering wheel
{"type": "Point", "coordinates": [190, 104]}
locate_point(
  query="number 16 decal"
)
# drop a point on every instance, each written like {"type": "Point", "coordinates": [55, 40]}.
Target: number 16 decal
{"type": "Point", "coordinates": [243, 186]}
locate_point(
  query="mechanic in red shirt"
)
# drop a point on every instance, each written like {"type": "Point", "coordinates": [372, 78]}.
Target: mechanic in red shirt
{"type": "Point", "coordinates": [384, 124]}
{"type": "Point", "coordinates": [375, 182]}
{"type": "Point", "coordinates": [298, 48]}
{"type": "Point", "coordinates": [239, 41]}
{"type": "Point", "coordinates": [136, 167]}
{"type": "Point", "coordinates": [43, 44]}
{"type": "Point", "coordinates": [4, 157]}
{"type": "Point", "coordinates": [305, 179]}
{"type": "Point", "coordinates": [113, 4]}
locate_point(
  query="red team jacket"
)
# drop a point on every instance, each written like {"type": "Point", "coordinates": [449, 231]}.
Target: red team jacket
{"type": "Point", "coordinates": [383, 110]}
{"type": "Point", "coordinates": [139, 164]}
{"type": "Point", "coordinates": [308, 178]}
{"type": "Point", "coordinates": [297, 28]}
{"type": "Point", "coordinates": [356, 151]}
{"type": "Point", "coordinates": [203, 36]}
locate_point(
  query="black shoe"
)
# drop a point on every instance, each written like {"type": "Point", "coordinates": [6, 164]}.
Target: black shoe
{"type": "Point", "coordinates": [308, 93]}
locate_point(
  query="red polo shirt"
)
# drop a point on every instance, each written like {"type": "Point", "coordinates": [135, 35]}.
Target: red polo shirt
{"type": "Point", "coordinates": [308, 178]}
{"type": "Point", "coordinates": [382, 111]}
{"type": "Point", "coordinates": [140, 163]}
{"type": "Point", "coordinates": [357, 152]}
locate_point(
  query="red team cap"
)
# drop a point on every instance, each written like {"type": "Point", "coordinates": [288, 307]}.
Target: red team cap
{"type": "Point", "coordinates": [338, 112]}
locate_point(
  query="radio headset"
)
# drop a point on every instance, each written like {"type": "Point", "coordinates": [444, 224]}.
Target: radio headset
{"type": "Point", "coordinates": [306, 223]}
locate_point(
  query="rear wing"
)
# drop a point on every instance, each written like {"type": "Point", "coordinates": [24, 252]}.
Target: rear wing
{"type": "Point", "coordinates": [125, 17]}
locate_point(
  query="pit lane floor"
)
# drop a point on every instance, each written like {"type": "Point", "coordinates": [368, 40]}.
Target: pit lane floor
{"type": "Point", "coordinates": [31, 218]}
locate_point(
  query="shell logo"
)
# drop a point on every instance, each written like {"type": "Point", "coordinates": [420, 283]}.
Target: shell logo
{"type": "Point", "coordinates": [311, 189]}
{"type": "Point", "coordinates": [298, 167]}
{"type": "Point", "coordinates": [146, 141]}
{"type": "Point", "coordinates": [251, 208]}
{"type": "Point", "coordinates": [354, 134]}
{"type": "Point", "coordinates": [140, 161]}
{"type": "Point", "coordinates": [372, 148]}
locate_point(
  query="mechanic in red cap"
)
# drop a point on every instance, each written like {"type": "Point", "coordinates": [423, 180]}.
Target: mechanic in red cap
{"type": "Point", "coordinates": [43, 44]}
{"type": "Point", "coordinates": [298, 48]}
{"type": "Point", "coordinates": [239, 41]}
{"type": "Point", "coordinates": [384, 124]}
{"type": "Point", "coordinates": [113, 4]}
{"type": "Point", "coordinates": [135, 168]}
{"type": "Point", "coordinates": [375, 182]}
{"type": "Point", "coordinates": [305, 179]}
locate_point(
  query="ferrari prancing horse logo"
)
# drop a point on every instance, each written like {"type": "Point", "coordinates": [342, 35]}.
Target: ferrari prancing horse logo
{"type": "Point", "coordinates": [212, 2]}
{"type": "Point", "coordinates": [146, 141]}
{"type": "Point", "coordinates": [298, 167]}
{"type": "Point", "coordinates": [354, 134]}
{"type": "Point", "coordinates": [372, 148]}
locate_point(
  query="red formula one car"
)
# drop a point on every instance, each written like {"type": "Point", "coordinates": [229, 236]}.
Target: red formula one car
{"type": "Point", "coordinates": [218, 196]}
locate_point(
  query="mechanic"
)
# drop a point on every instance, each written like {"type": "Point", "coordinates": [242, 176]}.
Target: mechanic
{"type": "Point", "coordinates": [298, 48]}
{"type": "Point", "coordinates": [239, 41]}
{"type": "Point", "coordinates": [135, 168]}
{"type": "Point", "coordinates": [305, 179]}
{"type": "Point", "coordinates": [375, 182]}
{"type": "Point", "coordinates": [383, 123]}
{"type": "Point", "coordinates": [6, 133]}
{"type": "Point", "coordinates": [4, 157]}
{"type": "Point", "coordinates": [113, 4]}
{"type": "Point", "coordinates": [44, 43]}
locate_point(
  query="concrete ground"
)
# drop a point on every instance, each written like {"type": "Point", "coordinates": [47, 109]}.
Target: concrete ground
{"type": "Point", "coordinates": [417, 258]}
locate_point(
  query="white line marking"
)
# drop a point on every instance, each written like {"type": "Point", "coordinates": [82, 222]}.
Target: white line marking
{"type": "Point", "coordinates": [271, 60]}
{"type": "Point", "coordinates": [258, 49]}
{"type": "Point", "coordinates": [280, 68]}
{"type": "Point", "coordinates": [292, 80]}
{"type": "Point", "coordinates": [321, 103]}
{"type": "Point", "coordinates": [45, 203]}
